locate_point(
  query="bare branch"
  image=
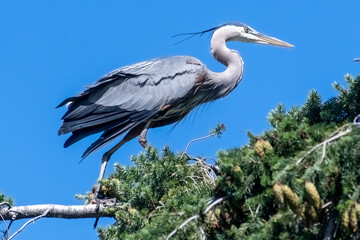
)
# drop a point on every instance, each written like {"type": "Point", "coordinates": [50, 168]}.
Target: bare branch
{"type": "Point", "coordinates": [326, 205]}
{"type": "Point", "coordinates": [7, 205]}
{"type": "Point", "coordinates": [28, 222]}
{"type": "Point", "coordinates": [198, 139]}
{"type": "Point", "coordinates": [211, 205]}
{"type": "Point", "coordinates": [323, 144]}
{"type": "Point", "coordinates": [252, 213]}
{"type": "Point", "coordinates": [215, 202]}
{"type": "Point", "coordinates": [357, 119]}
{"type": "Point", "coordinates": [182, 225]}
{"type": "Point", "coordinates": [203, 236]}
{"type": "Point", "coordinates": [55, 211]}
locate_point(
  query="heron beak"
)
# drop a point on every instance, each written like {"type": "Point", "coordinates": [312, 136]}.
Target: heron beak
{"type": "Point", "coordinates": [264, 39]}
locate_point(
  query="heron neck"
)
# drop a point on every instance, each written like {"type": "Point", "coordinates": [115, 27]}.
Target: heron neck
{"type": "Point", "coordinates": [230, 58]}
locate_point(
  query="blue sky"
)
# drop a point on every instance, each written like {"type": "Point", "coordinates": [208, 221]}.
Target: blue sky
{"type": "Point", "coordinates": [50, 50]}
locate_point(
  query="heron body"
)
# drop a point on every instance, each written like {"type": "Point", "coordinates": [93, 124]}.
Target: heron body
{"type": "Point", "coordinates": [155, 93]}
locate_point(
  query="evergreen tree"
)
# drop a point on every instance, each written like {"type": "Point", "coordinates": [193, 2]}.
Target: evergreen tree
{"type": "Point", "coordinates": [299, 180]}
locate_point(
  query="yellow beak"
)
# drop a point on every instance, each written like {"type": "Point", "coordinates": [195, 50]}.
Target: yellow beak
{"type": "Point", "coordinates": [273, 41]}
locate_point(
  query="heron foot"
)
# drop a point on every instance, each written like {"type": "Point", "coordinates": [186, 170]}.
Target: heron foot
{"type": "Point", "coordinates": [99, 198]}
{"type": "Point", "coordinates": [95, 191]}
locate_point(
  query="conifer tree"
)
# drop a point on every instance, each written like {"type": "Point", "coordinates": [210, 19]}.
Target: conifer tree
{"type": "Point", "coordinates": [298, 180]}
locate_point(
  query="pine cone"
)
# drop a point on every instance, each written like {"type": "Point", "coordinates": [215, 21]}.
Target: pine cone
{"type": "Point", "coordinates": [310, 212]}
{"type": "Point", "coordinates": [353, 219]}
{"type": "Point", "coordinates": [279, 195]}
{"type": "Point", "coordinates": [293, 200]}
{"type": "Point", "coordinates": [237, 174]}
{"type": "Point", "coordinates": [267, 145]}
{"type": "Point", "coordinates": [345, 219]}
{"type": "Point", "coordinates": [212, 218]}
{"type": "Point", "coordinates": [312, 195]}
{"type": "Point", "coordinates": [259, 148]}
{"type": "Point", "coordinates": [132, 211]}
{"type": "Point", "coordinates": [104, 190]}
{"type": "Point", "coordinates": [357, 208]}
{"type": "Point", "coordinates": [303, 135]}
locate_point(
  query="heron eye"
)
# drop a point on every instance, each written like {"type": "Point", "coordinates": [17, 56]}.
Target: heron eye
{"type": "Point", "coordinates": [246, 30]}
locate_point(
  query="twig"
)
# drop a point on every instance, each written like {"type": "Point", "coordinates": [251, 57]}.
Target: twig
{"type": "Point", "coordinates": [198, 139]}
{"type": "Point", "coordinates": [182, 225]}
{"type": "Point", "coordinates": [357, 119]}
{"type": "Point", "coordinates": [28, 222]}
{"type": "Point", "coordinates": [323, 152]}
{"type": "Point", "coordinates": [208, 169]}
{"type": "Point", "coordinates": [171, 214]}
{"type": "Point", "coordinates": [213, 203]}
{"type": "Point", "coordinates": [252, 214]}
{"type": "Point", "coordinates": [5, 203]}
{"type": "Point", "coordinates": [257, 210]}
{"type": "Point", "coordinates": [323, 144]}
{"type": "Point", "coordinates": [195, 183]}
{"type": "Point", "coordinates": [6, 226]}
{"type": "Point", "coordinates": [217, 201]}
{"type": "Point", "coordinates": [6, 232]}
{"type": "Point", "coordinates": [326, 205]}
{"type": "Point", "coordinates": [203, 236]}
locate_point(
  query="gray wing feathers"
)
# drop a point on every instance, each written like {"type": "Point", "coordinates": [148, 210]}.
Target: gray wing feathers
{"type": "Point", "coordinates": [129, 95]}
{"type": "Point", "coordinates": [152, 84]}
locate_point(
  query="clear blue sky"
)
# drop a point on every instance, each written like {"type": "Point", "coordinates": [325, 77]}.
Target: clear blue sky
{"type": "Point", "coordinates": [50, 50]}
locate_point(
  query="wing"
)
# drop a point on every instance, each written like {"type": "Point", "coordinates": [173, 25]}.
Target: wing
{"type": "Point", "coordinates": [128, 96]}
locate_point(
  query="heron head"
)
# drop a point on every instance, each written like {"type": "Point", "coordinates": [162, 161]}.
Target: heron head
{"type": "Point", "coordinates": [238, 32]}
{"type": "Point", "coordinates": [243, 33]}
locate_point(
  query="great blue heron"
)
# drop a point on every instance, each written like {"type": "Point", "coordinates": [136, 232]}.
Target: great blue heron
{"type": "Point", "coordinates": [155, 93]}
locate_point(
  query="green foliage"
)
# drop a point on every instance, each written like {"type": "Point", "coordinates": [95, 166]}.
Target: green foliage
{"type": "Point", "coordinates": [159, 193]}
{"type": "Point", "coordinates": [156, 194]}
{"type": "Point", "coordinates": [338, 109]}
{"type": "Point", "coordinates": [3, 198]}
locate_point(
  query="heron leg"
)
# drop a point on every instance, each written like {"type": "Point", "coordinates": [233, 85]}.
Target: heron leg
{"type": "Point", "coordinates": [143, 136]}
{"type": "Point", "coordinates": [133, 133]}
{"type": "Point", "coordinates": [106, 157]}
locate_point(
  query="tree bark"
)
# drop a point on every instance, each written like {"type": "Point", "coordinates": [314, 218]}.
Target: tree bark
{"type": "Point", "coordinates": [55, 211]}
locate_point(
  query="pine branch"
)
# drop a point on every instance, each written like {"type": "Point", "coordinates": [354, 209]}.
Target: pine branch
{"type": "Point", "coordinates": [55, 211]}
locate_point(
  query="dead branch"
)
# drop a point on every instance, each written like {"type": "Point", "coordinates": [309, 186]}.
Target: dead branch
{"type": "Point", "coordinates": [323, 144]}
{"type": "Point", "coordinates": [182, 225]}
{"type": "Point", "coordinates": [198, 139]}
{"type": "Point", "coordinates": [212, 203]}
{"type": "Point", "coordinates": [55, 211]}
{"type": "Point", "coordinates": [28, 222]}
